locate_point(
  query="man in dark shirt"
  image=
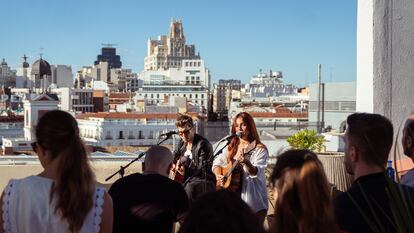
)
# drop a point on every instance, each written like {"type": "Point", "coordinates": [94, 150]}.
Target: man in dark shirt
{"type": "Point", "coordinates": [194, 154]}
{"type": "Point", "coordinates": [374, 202]}
{"type": "Point", "coordinates": [149, 202]}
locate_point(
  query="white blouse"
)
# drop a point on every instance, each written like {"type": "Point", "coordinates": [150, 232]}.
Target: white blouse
{"type": "Point", "coordinates": [27, 209]}
{"type": "Point", "coordinates": [254, 190]}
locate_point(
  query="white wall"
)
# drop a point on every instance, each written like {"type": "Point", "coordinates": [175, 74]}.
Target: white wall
{"type": "Point", "coordinates": [385, 70]}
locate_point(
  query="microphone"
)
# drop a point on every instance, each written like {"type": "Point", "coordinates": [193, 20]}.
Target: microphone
{"type": "Point", "coordinates": [228, 137]}
{"type": "Point", "coordinates": [168, 134]}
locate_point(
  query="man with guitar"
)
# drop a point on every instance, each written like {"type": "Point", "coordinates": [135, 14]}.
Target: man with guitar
{"type": "Point", "coordinates": [192, 160]}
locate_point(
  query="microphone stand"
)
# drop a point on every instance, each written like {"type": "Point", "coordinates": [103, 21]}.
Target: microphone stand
{"type": "Point", "coordinates": [121, 170]}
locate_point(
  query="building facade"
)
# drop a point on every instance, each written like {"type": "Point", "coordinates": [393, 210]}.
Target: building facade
{"type": "Point", "coordinates": [267, 85]}
{"type": "Point", "coordinates": [77, 100]}
{"type": "Point", "coordinates": [191, 80]}
{"type": "Point", "coordinates": [109, 55]}
{"type": "Point", "coordinates": [62, 75]}
{"type": "Point", "coordinates": [125, 129]}
{"type": "Point", "coordinates": [339, 102]}
{"type": "Point", "coordinates": [223, 94]}
{"type": "Point", "coordinates": [169, 51]}
{"type": "Point", "coordinates": [7, 75]}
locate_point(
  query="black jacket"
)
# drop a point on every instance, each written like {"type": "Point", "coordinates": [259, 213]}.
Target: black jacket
{"type": "Point", "coordinates": [202, 152]}
{"type": "Point", "coordinates": [373, 194]}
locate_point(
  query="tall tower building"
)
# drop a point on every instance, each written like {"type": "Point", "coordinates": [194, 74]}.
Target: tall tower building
{"type": "Point", "coordinates": [169, 51]}
{"type": "Point", "coordinates": [109, 55]}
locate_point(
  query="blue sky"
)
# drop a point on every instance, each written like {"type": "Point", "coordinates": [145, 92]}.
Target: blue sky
{"type": "Point", "coordinates": [235, 38]}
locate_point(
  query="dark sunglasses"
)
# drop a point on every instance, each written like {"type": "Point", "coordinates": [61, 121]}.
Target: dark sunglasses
{"type": "Point", "coordinates": [185, 131]}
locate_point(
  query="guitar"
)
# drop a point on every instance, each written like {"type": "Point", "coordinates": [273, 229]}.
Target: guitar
{"type": "Point", "coordinates": [177, 173]}
{"type": "Point", "coordinates": [226, 172]}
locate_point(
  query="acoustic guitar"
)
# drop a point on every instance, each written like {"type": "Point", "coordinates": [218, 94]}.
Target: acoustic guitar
{"type": "Point", "coordinates": [178, 172]}
{"type": "Point", "coordinates": [227, 172]}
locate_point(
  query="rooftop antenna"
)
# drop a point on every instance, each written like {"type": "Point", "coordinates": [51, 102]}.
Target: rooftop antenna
{"type": "Point", "coordinates": [109, 45]}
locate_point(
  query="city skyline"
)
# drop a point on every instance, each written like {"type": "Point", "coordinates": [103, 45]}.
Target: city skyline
{"type": "Point", "coordinates": [235, 38]}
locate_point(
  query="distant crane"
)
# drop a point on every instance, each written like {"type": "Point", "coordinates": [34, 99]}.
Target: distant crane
{"type": "Point", "coordinates": [109, 45]}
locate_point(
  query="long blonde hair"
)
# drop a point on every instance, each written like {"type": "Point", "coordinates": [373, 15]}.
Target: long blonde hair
{"type": "Point", "coordinates": [58, 133]}
{"type": "Point", "coordinates": [304, 202]}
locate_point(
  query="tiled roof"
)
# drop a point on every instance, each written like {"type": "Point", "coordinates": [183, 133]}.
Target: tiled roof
{"type": "Point", "coordinates": [279, 114]}
{"type": "Point", "coordinates": [119, 95]}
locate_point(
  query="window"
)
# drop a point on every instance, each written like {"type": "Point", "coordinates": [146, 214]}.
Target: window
{"type": "Point", "coordinates": [130, 135]}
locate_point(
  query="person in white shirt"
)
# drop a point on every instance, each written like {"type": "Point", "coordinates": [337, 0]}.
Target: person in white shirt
{"type": "Point", "coordinates": [246, 157]}
{"type": "Point", "coordinates": [63, 197]}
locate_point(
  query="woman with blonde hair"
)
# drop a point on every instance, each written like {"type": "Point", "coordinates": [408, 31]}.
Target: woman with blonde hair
{"type": "Point", "coordinates": [241, 168]}
{"type": "Point", "coordinates": [63, 197]}
{"type": "Point", "coordinates": [303, 200]}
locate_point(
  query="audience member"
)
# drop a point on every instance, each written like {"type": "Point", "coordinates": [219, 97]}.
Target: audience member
{"type": "Point", "coordinates": [149, 202]}
{"type": "Point", "coordinates": [374, 203]}
{"type": "Point", "coordinates": [302, 194]}
{"type": "Point", "coordinates": [63, 197]}
{"type": "Point", "coordinates": [222, 211]}
{"type": "Point", "coordinates": [408, 147]}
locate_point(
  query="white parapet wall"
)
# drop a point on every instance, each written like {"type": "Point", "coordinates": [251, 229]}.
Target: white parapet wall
{"type": "Point", "coordinates": [12, 168]}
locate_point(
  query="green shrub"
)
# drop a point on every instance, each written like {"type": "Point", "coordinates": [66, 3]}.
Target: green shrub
{"type": "Point", "coordinates": [306, 139]}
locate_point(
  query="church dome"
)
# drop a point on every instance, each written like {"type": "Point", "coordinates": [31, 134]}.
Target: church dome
{"type": "Point", "coordinates": [41, 68]}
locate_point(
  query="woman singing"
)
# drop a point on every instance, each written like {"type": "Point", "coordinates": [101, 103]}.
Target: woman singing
{"type": "Point", "coordinates": [241, 167]}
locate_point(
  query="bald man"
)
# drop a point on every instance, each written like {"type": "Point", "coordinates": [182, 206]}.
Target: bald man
{"type": "Point", "coordinates": [408, 147]}
{"type": "Point", "coordinates": [149, 202]}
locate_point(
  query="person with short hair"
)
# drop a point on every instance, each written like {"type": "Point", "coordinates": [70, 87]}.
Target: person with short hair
{"type": "Point", "coordinates": [64, 196]}
{"type": "Point", "coordinates": [149, 202]}
{"type": "Point", "coordinates": [193, 156]}
{"type": "Point", "coordinates": [302, 194]}
{"type": "Point", "coordinates": [373, 201]}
